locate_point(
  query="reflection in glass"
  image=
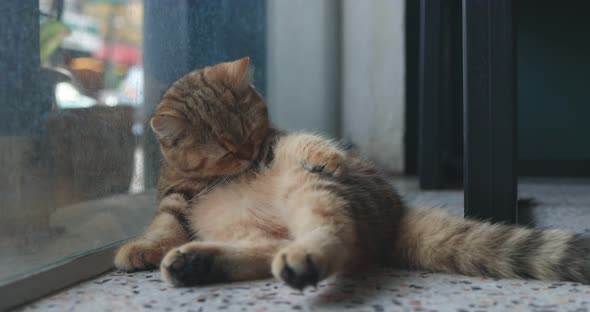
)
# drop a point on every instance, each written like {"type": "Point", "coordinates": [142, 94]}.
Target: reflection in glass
{"type": "Point", "coordinates": [71, 171]}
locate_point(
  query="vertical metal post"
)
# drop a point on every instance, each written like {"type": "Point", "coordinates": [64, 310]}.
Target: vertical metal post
{"type": "Point", "coordinates": [489, 79]}
{"type": "Point", "coordinates": [430, 94]}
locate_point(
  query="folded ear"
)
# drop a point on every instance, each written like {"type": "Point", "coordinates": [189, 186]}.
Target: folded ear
{"type": "Point", "coordinates": [233, 74]}
{"type": "Point", "coordinates": [166, 126]}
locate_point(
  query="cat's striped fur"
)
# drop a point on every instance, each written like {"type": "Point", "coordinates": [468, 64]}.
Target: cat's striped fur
{"type": "Point", "coordinates": [301, 208]}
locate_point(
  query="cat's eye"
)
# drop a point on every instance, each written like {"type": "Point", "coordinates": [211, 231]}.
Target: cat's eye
{"type": "Point", "coordinates": [226, 155]}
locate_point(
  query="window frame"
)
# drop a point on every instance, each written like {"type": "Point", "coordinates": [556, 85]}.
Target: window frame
{"type": "Point", "coordinates": [57, 276]}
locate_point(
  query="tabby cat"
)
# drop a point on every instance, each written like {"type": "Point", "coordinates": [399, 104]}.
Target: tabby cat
{"type": "Point", "coordinates": [239, 200]}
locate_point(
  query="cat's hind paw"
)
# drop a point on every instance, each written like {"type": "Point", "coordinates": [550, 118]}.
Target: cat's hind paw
{"type": "Point", "coordinates": [297, 268]}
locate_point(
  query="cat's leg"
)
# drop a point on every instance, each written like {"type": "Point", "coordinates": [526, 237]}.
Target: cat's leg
{"type": "Point", "coordinates": [324, 243]}
{"type": "Point", "coordinates": [317, 217]}
{"type": "Point", "coordinates": [164, 233]}
{"type": "Point", "coordinates": [198, 263]}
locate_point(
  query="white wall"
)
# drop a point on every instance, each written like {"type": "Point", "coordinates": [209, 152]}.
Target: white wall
{"type": "Point", "coordinates": [339, 67]}
{"type": "Point", "coordinates": [303, 64]}
{"type": "Point", "coordinates": [373, 85]}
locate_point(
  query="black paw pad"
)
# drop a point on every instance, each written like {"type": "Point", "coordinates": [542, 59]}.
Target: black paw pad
{"type": "Point", "coordinates": [299, 280]}
{"type": "Point", "coordinates": [189, 269]}
{"type": "Point", "coordinates": [318, 169]}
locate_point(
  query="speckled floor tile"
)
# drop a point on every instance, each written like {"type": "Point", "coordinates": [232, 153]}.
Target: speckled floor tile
{"type": "Point", "coordinates": [560, 203]}
{"type": "Point", "coordinates": [385, 290]}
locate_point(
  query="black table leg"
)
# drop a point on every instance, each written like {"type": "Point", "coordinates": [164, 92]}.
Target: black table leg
{"type": "Point", "coordinates": [429, 162]}
{"type": "Point", "coordinates": [440, 93]}
{"type": "Point", "coordinates": [489, 80]}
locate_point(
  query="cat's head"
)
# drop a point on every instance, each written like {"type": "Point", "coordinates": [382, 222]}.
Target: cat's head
{"type": "Point", "coordinates": [212, 121]}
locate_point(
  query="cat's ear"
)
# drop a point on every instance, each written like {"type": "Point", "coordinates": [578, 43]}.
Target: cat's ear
{"type": "Point", "coordinates": [234, 74]}
{"type": "Point", "coordinates": [166, 126]}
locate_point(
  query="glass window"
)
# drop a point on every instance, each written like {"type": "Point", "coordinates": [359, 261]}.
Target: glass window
{"type": "Point", "coordinates": [71, 147]}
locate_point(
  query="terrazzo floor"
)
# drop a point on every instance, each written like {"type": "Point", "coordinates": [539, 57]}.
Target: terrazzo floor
{"type": "Point", "coordinates": [559, 203]}
{"type": "Point", "coordinates": [380, 291]}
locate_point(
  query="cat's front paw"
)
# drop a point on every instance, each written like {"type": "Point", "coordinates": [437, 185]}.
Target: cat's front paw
{"type": "Point", "coordinates": [297, 267]}
{"type": "Point", "coordinates": [326, 162]}
{"type": "Point", "coordinates": [189, 266]}
{"type": "Point", "coordinates": [138, 255]}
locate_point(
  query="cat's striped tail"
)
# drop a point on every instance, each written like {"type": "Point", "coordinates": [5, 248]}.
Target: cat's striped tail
{"type": "Point", "coordinates": [432, 240]}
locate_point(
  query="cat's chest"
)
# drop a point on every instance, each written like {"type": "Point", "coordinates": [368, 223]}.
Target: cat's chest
{"type": "Point", "coordinates": [238, 211]}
